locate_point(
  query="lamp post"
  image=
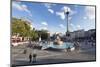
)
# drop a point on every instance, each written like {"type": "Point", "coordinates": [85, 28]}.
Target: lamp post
{"type": "Point", "coordinates": [67, 16]}
{"type": "Point", "coordinates": [67, 31]}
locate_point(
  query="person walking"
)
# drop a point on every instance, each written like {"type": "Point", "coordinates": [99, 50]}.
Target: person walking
{"type": "Point", "coordinates": [34, 57]}
{"type": "Point", "coordinates": [30, 58]}
{"type": "Point", "coordinates": [25, 51]}
{"type": "Point", "coordinates": [78, 46]}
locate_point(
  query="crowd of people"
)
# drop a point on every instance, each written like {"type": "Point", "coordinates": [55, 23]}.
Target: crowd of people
{"type": "Point", "coordinates": [77, 44]}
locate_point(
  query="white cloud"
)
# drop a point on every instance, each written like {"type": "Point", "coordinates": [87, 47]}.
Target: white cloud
{"type": "Point", "coordinates": [90, 12]}
{"type": "Point", "coordinates": [61, 26]}
{"type": "Point", "coordinates": [65, 9]}
{"type": "Point", "coordinates": [70, 18]}
{"type": "Point", "coordinates": [85, 17]}
{"type": "Point", "coordinates": [48, 5]}
{"type": "Point", "coordinates": [17, 5]}
{"type": "Point", "coordinates": [24, 7]}
{"type": "Point", "coordinates": [78, 27]}
{"type": "Point", "coordinates": [51, 11]}
{"type": "Point", "coordinates": [73, 27]}
{"type": "Point", "coordinates": [71, 24]}
{"type": "Point", "coordinates": [21, 7]}
{"type": "Point", "coordinates": [44, 23]}
{"type": "Point", "coordinates": [61, 15]}
{"type": "Point", "coordinates": [44, 28]}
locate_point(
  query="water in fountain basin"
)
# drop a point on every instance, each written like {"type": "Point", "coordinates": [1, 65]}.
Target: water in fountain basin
{"type": "Point", "coordinates": [62, 46]}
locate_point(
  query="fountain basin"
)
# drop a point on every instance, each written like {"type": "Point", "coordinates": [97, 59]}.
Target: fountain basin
{"type": "Point", "coordinates": [65, 45]}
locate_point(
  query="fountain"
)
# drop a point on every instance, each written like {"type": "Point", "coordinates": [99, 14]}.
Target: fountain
{"type": "Point", "coordinates": [58, 41]}
{"type": "Point", "coordinates": [62, 45]}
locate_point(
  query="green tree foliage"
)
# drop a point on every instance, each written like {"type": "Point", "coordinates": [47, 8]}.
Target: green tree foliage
{"type": "Point", "coordinates": [34, 35]}
{"type": "Point", "coordinates": [20, 27]}
{"type": "Point", "coordinates": [43, 34]}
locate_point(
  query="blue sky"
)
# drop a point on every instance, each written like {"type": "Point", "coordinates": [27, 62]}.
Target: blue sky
{"type": "Point", "coordinates": [50, 16]}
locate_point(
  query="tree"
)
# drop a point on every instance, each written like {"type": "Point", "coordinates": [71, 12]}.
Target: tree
{"type": "Point", "coordinates": [43, 34]}
{"type": "Point", "coordinates": [20, 27]}
{"type": "Point", "coordinates": [34, 35]}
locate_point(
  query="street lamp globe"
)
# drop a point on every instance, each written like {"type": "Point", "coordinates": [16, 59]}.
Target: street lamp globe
{"type": "Point", "coordinates": [66, 11]}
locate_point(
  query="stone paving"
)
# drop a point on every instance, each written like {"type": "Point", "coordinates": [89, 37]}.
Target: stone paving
{"type": "Point", "coordinates": [50, 56]}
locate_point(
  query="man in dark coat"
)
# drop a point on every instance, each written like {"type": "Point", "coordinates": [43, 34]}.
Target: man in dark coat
{"type": "Point", "coordinates": [30, 58]}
